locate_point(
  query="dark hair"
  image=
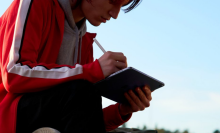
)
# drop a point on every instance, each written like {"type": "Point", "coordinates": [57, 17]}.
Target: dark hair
{"type": "Point", "coordinates": [132, 4]}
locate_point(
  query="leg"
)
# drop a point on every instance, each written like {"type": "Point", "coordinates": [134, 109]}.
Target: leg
{"type": "Point", "coordinates": [70, 107]}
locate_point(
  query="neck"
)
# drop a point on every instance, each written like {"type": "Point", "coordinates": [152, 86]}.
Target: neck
{"type": "Point", "coordinates": [77, 14]}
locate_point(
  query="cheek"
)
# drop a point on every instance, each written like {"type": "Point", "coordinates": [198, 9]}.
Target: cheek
{"type": "Point", "coordinates": [89, 12]}
{"type": "Point", "coordinates": [90, 1]}
{"type": "Point", "coordinates": [115, 2]}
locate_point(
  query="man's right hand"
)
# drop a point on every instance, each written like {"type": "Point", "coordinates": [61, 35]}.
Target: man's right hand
{"type": "Point", "coordinates": [112, 62]}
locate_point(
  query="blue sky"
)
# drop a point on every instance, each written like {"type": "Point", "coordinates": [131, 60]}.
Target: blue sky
{"type": "Point", "coordinates": [177, 42]}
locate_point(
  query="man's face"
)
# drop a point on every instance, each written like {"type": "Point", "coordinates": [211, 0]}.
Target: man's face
{"type": "Point", "coordinates": [98, 11]}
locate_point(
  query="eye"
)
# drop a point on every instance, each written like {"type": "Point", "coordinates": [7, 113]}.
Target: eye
{"type": "Point", "coordinates": [116, 2]}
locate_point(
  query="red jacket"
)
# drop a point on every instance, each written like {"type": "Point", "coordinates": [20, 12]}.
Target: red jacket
{"type": "Point", "coordinates": [31, 33]}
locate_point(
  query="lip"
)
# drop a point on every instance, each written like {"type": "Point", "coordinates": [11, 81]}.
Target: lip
{"type": "Point", "coordinates": [104, 20]}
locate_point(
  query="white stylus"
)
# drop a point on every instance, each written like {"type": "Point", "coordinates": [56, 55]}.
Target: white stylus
{"type": "Point", "coordinates": [99, 45]}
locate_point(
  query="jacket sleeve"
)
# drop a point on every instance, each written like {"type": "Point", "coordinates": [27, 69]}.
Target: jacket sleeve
{"type": "Point", "coordinates": [20, 70]}
{"type": "Point", "coordinates": [0, 21]}
{"type": "Point", "coordinates": [112, 117]}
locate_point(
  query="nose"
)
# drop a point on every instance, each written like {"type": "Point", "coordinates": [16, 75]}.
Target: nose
{"type": "Point", "coordinates": [114, 12]}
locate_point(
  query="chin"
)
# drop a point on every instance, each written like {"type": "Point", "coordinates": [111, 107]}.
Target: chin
{"type": "Point", "coordinates": [95, 23]}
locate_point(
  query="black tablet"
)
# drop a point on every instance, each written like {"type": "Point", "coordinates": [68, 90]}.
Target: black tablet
{"type": "Point", "coordinates": [114, 86]}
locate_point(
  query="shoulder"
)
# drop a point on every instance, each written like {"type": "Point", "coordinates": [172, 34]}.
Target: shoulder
{"type": "Point", "coordinates": [44, 8]}
{"type": "Point", "coordinates": [43, 4]}
{"type": "Point", "coordinates": [40, 5]}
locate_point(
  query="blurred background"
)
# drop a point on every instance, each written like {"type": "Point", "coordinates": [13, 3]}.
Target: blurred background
{"type": "Point", "coordinates": [177, 42]}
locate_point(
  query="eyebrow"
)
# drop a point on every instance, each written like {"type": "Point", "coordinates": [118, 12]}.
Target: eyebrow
{"type": "Point", "coordinates": [115, 2]}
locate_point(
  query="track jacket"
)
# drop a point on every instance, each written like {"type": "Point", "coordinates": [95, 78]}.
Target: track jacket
{"type": "Point", "coordinates": [30, 38]}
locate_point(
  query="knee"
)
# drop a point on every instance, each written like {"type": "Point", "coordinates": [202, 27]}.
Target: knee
{"type": "Point", "coordinates": [80, 87]}
{"type": "Point", "coordinates": [82, 91]}
{"type": "Point", "coordinates": [83, 85]}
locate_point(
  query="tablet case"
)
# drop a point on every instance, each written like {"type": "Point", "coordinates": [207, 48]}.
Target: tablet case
{"type": "Point", "coordinates": [114, 86]}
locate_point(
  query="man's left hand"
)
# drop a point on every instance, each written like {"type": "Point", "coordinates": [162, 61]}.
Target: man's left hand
{"type": "Point", "coordinates": [136, 103]}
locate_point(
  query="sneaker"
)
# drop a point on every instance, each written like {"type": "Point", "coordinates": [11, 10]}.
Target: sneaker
{"type": "Point", "coordinates": [46, 130]}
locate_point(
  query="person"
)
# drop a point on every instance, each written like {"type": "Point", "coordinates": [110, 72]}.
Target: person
{"type": "Point", "coordinates": [48, 71]}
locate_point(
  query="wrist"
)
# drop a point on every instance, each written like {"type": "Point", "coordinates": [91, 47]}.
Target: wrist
{"type": "Point", "coordinates": [122, 111]}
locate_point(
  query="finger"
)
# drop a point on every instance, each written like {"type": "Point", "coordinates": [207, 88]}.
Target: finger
{"type": "Point", "coordinates": [143, 97]}
{"type": "Point", "coordinates": [132, 103]}
{"type": "Point", "coordinates": [147, 92]}
{"type": "Point", "coordinates": [116, 69]}
{"type": "Point", "coordinates": [120, 65]}
{"type": "Point", "coordinates": [112, 66]}
{"type": "Point", "coordinates": [117, 56]}
{"type": "Point", "coordinates": [136, 100]}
